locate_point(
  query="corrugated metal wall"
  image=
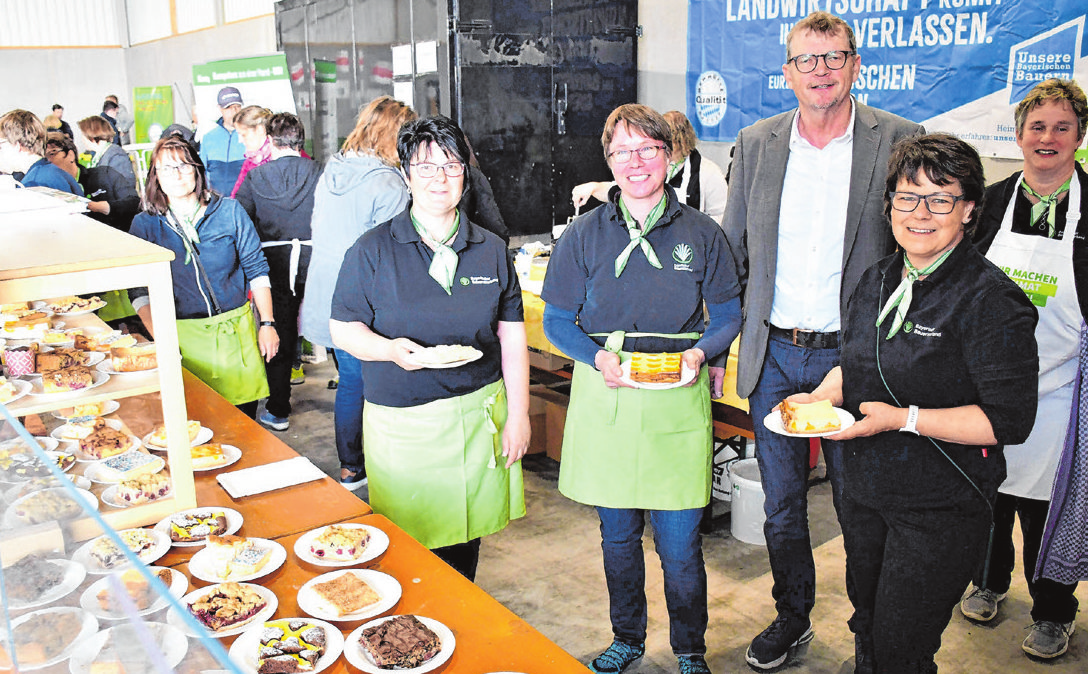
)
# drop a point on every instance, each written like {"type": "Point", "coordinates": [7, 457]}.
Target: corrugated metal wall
{"type": "Point", "coordinates": [59, 23]}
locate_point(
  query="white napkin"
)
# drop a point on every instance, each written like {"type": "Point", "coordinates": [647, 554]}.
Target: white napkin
{"type": "Point", "coordinates": [269, 477]}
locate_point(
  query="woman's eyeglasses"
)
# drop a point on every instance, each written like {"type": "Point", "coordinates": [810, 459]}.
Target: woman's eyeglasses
{"type": "Point", "coordinates": [644, 153]}
{"type": "Point", "coordinates": [452, 169]}
{"type": "Point", "coordinates": [938, 204]}
{"type": "Point", "coordinates": [177, 171]}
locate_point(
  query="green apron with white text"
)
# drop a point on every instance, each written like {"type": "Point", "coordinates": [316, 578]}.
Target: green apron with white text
{"type": "Point", "coordinates": [222, 352]}
{"type": "Point", "coordinates": [637, 448]}
{"type": "Point", "coordinates": [117, 306]}
{"type": "Point", "coordinates": [437, 470]}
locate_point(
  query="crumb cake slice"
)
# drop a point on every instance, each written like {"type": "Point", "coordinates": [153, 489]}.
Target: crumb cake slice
{"type": "Point", "coordinates": [288, 646]}
{"type": "Point", "coordinates": [347, 593]}
{"type": "Point", "coordinates": [144, 488]}
{"type": "Point", "coordinates": [227, 606]}
{"type": "Point", "coordinates": [403, 641]}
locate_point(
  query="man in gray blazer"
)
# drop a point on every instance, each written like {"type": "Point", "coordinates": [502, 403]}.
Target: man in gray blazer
{"type": "Point", "coordinates": [804, 220]}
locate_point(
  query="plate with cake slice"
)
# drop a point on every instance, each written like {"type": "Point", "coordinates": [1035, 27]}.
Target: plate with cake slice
{"type": "Point", "coordinates": [341, 544]}
{"type": "Point", "coordinates": [99, 409]}
{"type": "Point", "coordinates": [236, 558]}
{"type": "Point", "coordinates": [47, 505]}
{"type": "Point", "coordinates": [445, 356]}
{"type": "Point", "coordinates": [101, 600]}
{"type": "Point", "coordinates": [213, 456]}
{"type": "Point", "coordinates": [68, 382]}
{"type": "Point", "coordinates": [108, 437]}
{"type": "Point", "coordinates": [191, 528]}
{"type": "Point", "coordinates": [807, 420]}
{"type": "Point", "coordinates": [138, 490]}
{"type": "Point", "coordinates": [198, 435]}
{"type": "Point", "coordinates": [100, 555]}
{"type": "Point", "coordinates": [34, 581]}
{"type": "Point", "coordinates": [410, 644]}
{"type": "Point", "coordinates": [288, 645]}
{"type": "Point", "coordinates": [225, 609]}
{"type": "Point", "coordinates": [657, 371]}
{"type": "Point", "coordinates": [19, 388]}
{"type": "Point", "coordinates": [127, 466]}
{"type": "Point", "coordinates": [349, 595]}
{"type": "Point", "coordinates": [47, 637]}
{"type": "Point", "coordinates": [120, 649]}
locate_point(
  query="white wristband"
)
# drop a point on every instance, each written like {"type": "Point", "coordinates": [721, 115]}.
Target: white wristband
{"type": "Point", "coordinates": [912, 421]}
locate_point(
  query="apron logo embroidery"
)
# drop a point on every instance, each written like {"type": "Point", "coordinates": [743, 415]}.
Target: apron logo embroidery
{"type": "Point", "coordinates": [464, 281]}
{"type": "Point", "coordinates": [923, 331]}
{"type": "Point", "coordinates": [908, 326]}
{"type": "Point", "coordinates": [682, 255]}
{"type": "Point", "coordinates": [1038, 286]}
{"type": "Point", "coordinates": [479, 280]}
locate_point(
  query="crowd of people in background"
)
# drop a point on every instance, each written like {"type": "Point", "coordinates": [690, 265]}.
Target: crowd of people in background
{"type": "Point", "coordinates": [861, 260]}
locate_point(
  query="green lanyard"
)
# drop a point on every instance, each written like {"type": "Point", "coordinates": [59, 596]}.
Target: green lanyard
{"type": "Point", "coordinates": [901, 298]}
{"type": "Point", "coordinates": [444, 263]}
{"type": "Point", "coordinates": [97, 156]}
{"type": "Point", "coordinates": [674, 168]}
{"type": "Point", "coordinates": [188, 226]}
{"type": "Point", "coordinates": [638, 237]}
{"type": "Point", "coordinates": [1048, 203]}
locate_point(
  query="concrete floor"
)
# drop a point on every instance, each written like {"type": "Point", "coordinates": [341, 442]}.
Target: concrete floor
{"type": "Point", "coordinates": [547, 568]}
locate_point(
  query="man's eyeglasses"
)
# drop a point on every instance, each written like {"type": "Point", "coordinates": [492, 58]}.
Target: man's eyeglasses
{"type": "Point", "coordinates": [938, 204]}
{"type": "Point", "coordinates": [176, 171]}
{"type": "Point", "coordinates": [834, 60]}
{"type": "Point", "coordinates": [644, 153]}
{"type": "Point", "coordinates": [452, 169]}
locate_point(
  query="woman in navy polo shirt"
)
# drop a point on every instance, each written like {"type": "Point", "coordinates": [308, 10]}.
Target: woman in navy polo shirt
{"type": "Point", "coordinates": [939, 365]}
{"type": "Point", "coordinates": [441, 443]}
{"type": "Point", "coordinates": [632, 275]}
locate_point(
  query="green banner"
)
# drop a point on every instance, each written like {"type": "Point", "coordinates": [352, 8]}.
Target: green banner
{"type": "Point", "coordinates": [234, 71]}
{"type": "Point", "coordinates": [153, 109]}
{"type": "Point", "coordinates": [325, 71]}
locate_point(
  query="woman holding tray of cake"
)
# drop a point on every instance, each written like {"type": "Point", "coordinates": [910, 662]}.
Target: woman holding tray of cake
{"type": "Point", "coordinates": [632, 276]}
{"type": "Point", "coordinates": [442, 445]}
{"type": "Point", "coordinates": [939, 365]}
{"type": "Point", "coordinates": [217, 258]}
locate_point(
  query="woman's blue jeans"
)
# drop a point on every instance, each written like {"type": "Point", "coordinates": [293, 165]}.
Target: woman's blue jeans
{"type": "Point", "coordinates": [678, 544]}
{"type": "Point", "coordinates": [348, 411]}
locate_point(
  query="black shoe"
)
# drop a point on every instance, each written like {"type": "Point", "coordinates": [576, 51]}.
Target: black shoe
{"type": "Point", "coordinates": [352, 480]}
{"type": "Point", "coordinates": [770, 648]}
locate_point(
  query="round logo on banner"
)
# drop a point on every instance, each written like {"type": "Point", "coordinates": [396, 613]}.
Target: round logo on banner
{"type": "Point", "coordinates": [711, 99]}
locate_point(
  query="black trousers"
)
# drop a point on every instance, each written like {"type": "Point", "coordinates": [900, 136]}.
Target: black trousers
{"type": "Point", "coordinates": [1051, 600]}
{"type": "Point", "coordinates": [909, 567]}
{"type": "Point", "coordinates": [285, 308]}
{"type": "Point", "coordinates": [463, 557]}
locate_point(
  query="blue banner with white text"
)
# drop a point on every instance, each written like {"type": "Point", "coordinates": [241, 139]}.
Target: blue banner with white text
{"type": "Point", "coordinates": [958, 66]}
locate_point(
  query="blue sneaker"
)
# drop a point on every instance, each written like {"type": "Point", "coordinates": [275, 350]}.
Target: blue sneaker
{"type": "Point", "coordinates": [618, 657]}
{"type": "Point", "coordinates": [692, 664]}
{"type": "Point", "coordinates": [352, 481]}
{"type": "Point", "coordinates": [267, 420]}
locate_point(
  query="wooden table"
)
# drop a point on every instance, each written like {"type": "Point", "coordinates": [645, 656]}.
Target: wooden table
{"type": "Point", "coordinates": [490, 638]}
{"type": "Point", "coordinates": [730, 412]}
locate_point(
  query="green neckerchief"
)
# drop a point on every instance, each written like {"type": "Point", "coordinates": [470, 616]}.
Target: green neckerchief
{"type": "Point", "coordinates": [900, 299]}
{"type": "Point", "coordinates": [638, 237]}
{"type": "Point", "coordinates": [675, 168]}
{"type": "Point", "coordinates": [444, 263]}
{"type": "Point", "coordinates": [188, 226]}
{"type": "Point", "coordinates": [1050, 202]}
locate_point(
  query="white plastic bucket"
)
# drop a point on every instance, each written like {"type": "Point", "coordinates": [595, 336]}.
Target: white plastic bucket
{"type": "Point", "coordinates": [747, 504]}
{"type": "Point", "coordinates": [720, 488]}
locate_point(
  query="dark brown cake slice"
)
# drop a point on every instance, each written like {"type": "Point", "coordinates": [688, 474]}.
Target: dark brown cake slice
{"type": "Point", "coordinates": [403, 642]}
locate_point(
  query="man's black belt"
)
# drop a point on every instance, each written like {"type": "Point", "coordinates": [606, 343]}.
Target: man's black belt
{"type": "Point", "coordinates": [808, 339]}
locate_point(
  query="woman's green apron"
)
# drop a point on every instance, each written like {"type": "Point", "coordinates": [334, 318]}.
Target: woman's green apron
{"type": "Point", "coordinates": [222, 352]}
{"type": "Point", "coordinates": [117, 306]}
{"type": "Point", "coordinates": [637, 448]}
{"type": "Point", "coordinates": [437, 469]}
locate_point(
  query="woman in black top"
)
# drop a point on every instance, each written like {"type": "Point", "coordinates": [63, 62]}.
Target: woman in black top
{"type": "Point", "coordinates": [939, 365]}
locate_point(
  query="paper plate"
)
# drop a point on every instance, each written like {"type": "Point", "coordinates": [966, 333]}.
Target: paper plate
{"type": "Point", "coordinates": [177, 587]}
{"type": "Point", "coordinates": [201, 565]}
{"type": "Point", "coordinates": [244, 649]}
{"type": "Point", "coordinates": [357, 656]}
{"type": "Point", "coordinates": [232, 454]}
{"type": "Point", "coordinates": [414, 359]}
{"type": "Point", "coordinates": [111, 497]}
{"type": "Point", "coordinates": [378, 543]}
{"type": "Point", "coordinates": [73, 577]}
{"type": "Point", "coordinates": [773, 422]}
{"type": "Point", "coordinates": [106, 366]}
{"type": "Point", "coordinates": [13, 518]}
{"type": "Point", "coordinates": [386, 586]}
{"type": "Point", "coordinates": [171, 642]}
{"type": "Point", "coordinates": [99, 474]}
{"type": "Point", "coordinates": [234, 523]}
{"type": "Point", "coordinates": [160, 546]}
{"type": "Point", "coordinates": [687, 375]}
{"type": "Point", "coordinates": [21, 386]}
{"type": "Point", "coordinates": [88, 626]}
{"type": "Point", "coordinates": [108, 408]}
{"type": "Point", "coordinates": [203, 436]}
{"type": "Point", "coordinates": [98, 377]}
{"type": "Point", "coordinates": [271, 603]}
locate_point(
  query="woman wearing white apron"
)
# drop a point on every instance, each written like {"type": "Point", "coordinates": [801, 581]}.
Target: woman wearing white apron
{"type": "Point", "coordinates": [632, 275]}
{"type": "Point", "coordinates": [1029, 228]}
{"type": "Point", "coordinates": [442, 439]}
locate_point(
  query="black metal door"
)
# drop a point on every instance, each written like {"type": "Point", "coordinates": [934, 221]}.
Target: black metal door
{"type": "Point", "coordinates": [533, 82]}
